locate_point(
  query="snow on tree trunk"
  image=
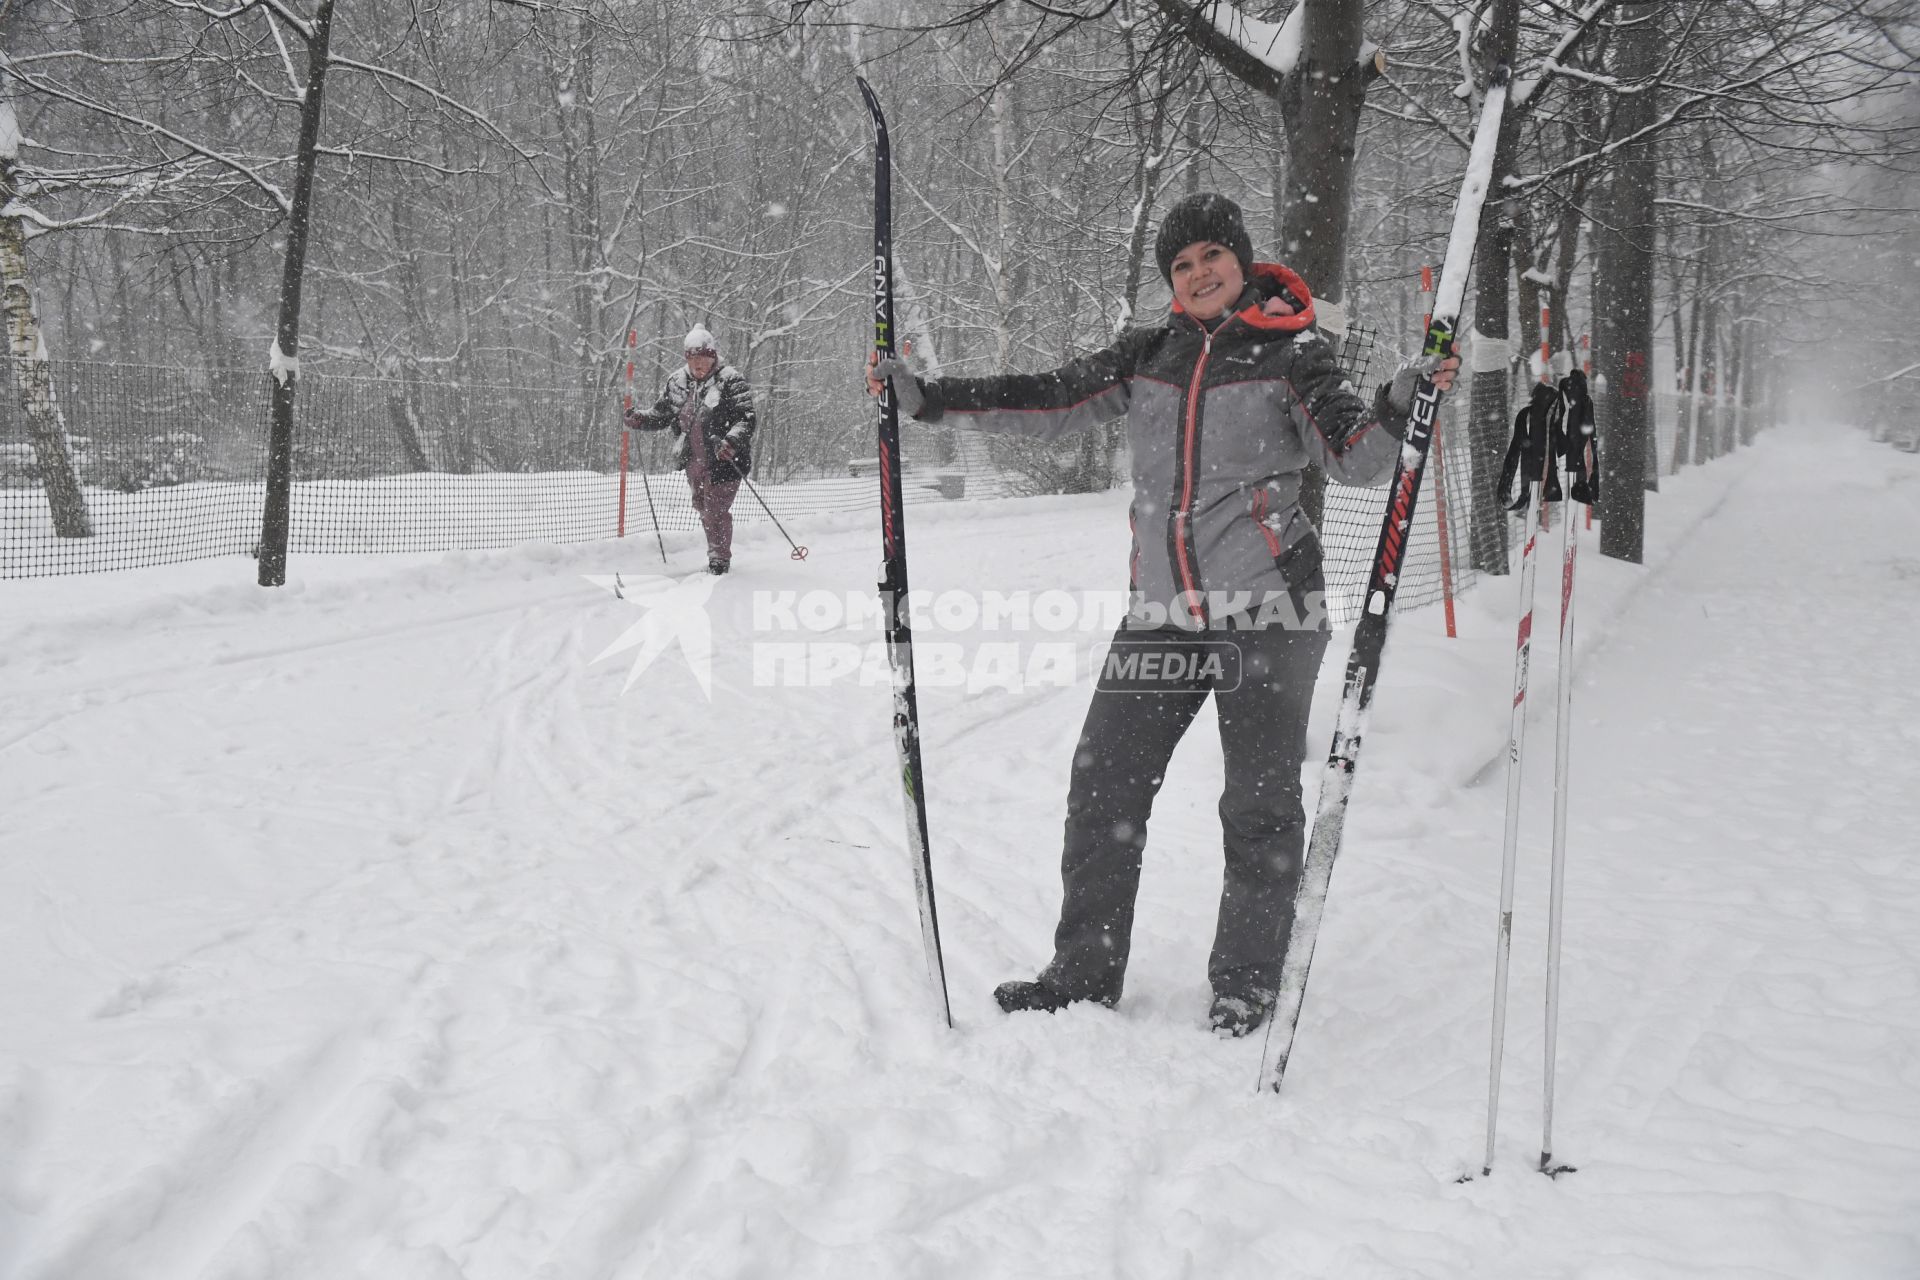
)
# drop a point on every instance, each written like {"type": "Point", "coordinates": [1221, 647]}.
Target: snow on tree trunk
{"type": "Point", "coordinates": [32, 377]}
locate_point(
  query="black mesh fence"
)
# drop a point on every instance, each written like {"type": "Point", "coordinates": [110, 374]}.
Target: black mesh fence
{"type": "Point", "coordinates": [171, 467]}
{"type": "Point", "coordinates": [397, 465]}
{"type": "Point", "coordinates": [1437, 558]}
{"type": "Point", "coordinates": [170, 462]}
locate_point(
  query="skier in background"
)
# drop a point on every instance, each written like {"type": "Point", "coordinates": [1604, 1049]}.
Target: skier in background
{"type": "Point", "coordinates": [709, 408]}
{"type": "Point", "coordinates": [1228, 400]}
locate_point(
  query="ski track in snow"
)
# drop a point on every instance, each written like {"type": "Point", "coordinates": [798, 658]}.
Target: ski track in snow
{"type": "Point", "coordinates": [365, 929]}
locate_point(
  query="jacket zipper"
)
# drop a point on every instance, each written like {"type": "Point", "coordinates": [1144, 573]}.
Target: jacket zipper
{"type": "Point", "coordinates": [1183, 513]}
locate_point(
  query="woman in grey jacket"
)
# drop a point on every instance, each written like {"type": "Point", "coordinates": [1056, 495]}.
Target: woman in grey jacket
{"type": "Point", "coordinates": [1227, 402]}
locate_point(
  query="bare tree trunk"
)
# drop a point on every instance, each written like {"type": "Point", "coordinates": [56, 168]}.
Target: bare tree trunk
{"type": "Point", "coordinates": [403, 414]}
{"type": "Point", "coordinates": [1150, 151]}
{"type": "Point", "coordinates": [1491, 354]}
{"type": "Point", "coordinates": [1003, 234]}
{"type": "Point", "coordinates": [1750, 384]}
{"type": "Point", "coordinates": [1688, 414]}
{"type": "Point", "coordinates": [1190, 133]}
{"type": "Point", "coordinates": [32, 377]}
{"type": "Point", "coordinates": [1320, 112]}
{"type": "Point", "coordinates": [1491, 351]}
{"type": "Point", "coordinates": [1624, 293]}
{"type": "Point", "coordinates": [581, 170]}
{"type": "Point", "coordinates": [276, 518]}
{"type": "Point", "coordinates": [1530, 297]}
{"type": "Point", "coordinates": [1736, 385]}
{"type": "Point", "coordinates": [1567, 252]}
{"type": "Point", "coordinates": [1000, 109]}
{"type": "Point", "coordinates": [1706, 413]}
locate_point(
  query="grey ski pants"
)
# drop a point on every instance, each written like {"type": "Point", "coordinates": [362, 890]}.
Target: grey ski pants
{"type": "Point", "coordinates": [1130, 732]}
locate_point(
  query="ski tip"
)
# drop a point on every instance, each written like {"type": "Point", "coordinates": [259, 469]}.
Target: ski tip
{"type": "Point", "coordinates": [872, 100]}
{"type": "Point", "coordinates": [1502, 73]}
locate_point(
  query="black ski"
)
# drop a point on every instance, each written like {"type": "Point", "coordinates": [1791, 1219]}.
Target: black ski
{"type": "Point", "coordinates": [1370, 634]}
{"type": "Point", "coordinates": [893, 582]}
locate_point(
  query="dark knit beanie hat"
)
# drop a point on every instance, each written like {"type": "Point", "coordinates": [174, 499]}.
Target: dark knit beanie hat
{"type": "Point", "coordinates": [1207, 216]}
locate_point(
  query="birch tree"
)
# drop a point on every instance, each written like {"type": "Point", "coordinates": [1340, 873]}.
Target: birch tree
{"type": "Point", "coordinates": [27, 348]}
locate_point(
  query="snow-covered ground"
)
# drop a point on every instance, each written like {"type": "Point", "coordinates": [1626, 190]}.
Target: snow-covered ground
{"type": "Point", "coordinates": [365, 929]}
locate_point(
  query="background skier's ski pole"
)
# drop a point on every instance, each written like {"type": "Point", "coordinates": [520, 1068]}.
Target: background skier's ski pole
{"type": "Point", "coordinates": [633, 339]}
{"type": "Point", "coordinates": [799, 552]}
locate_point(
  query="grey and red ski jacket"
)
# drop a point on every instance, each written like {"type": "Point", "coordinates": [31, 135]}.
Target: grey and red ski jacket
{"type": "Point", "coordinates": [1222, 424]}
{"type": "Point", "coordinates": [704, 415]}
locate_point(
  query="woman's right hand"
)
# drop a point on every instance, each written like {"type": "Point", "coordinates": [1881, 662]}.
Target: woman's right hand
{"type": "Point", "coordinates": [906, 388]}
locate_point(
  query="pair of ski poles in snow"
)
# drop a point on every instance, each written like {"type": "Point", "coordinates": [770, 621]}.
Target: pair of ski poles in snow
{"type": "Point", "coordinates": [1556, 426]}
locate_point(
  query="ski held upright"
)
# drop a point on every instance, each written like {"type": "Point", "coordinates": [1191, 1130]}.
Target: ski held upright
{"type": "Point", "coordinates": [1370, 633]}
{"type": "Point", "coordinates": [893, 569]}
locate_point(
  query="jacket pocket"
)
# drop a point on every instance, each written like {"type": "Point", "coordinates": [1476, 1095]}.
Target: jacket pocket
{"type": "Point", "coordinates": [1301, 568]}
{"type": "Point", "coordinates": [1258, 513]}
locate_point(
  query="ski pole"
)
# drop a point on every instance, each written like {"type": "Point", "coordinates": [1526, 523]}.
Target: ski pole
{"type": "Point", "coordinates": [1563, 727]}
{"type": "Point", "coordinates": [1509, 851]}
{"type": "Point", "coordinates": [633, 340]}
{"type": "Point", "coordinates": [647, 489]}
{"type": "Point", "coordinates": [1580, 438]}
{"type": "Point", "coordinates": [799, 552]}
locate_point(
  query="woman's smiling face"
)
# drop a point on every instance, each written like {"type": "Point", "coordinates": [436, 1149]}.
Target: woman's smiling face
{"type": "Point", "coordinates": [1207, 279]}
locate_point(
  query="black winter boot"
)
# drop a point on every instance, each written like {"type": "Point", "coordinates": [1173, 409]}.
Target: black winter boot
{"type": "Point", "coordinates": [1025, 996]}
{"type": "Point", "coordinates": [1235, 1016]}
